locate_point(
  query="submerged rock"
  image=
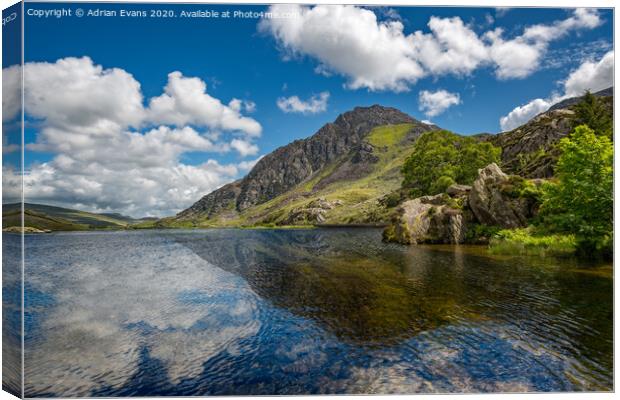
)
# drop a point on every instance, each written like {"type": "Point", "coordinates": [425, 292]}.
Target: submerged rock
{"type": "Point", "coordinates": [491, 204]}
{"type": "Point", "coordinates": [426, 219]}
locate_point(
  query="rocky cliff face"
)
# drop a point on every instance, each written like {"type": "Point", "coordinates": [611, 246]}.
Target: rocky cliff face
{"type": "Point", "coordinates": [288, 166]}
{"type": "Point", "coordinates": [529, 150]}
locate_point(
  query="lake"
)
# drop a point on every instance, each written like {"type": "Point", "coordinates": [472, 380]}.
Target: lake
{"type": "Point", "coordinates": [217, 312]}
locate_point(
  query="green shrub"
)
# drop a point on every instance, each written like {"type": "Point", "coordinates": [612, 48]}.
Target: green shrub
{"type": "Point", "coordinates": [527, 241]}
{"type": "Point", "coordinates": [441, 158]}
{"type": "Point", "coordinates": [580, 201]}
{"type": "Point", "coordinates": [480, 233]}
{"type": "Point", "coordinates": [441, 184]}
{"type": "Point", "coordinates": [591, 111]}
{"type": "Point", "coordinates": [392, 200]}
{"type": "Point", "coordinates": [518, 187]}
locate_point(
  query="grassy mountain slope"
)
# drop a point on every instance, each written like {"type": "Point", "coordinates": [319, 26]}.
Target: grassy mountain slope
{"type": "Point", "coordinates": [347, 191]}
{"type": "Point", "coordinates": [53, 218]}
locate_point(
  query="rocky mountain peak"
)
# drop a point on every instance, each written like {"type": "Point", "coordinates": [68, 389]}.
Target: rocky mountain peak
{"type": "Point", "coordinates": [362, 119]}
{"type": "Point", "coordinates": [288, 166]}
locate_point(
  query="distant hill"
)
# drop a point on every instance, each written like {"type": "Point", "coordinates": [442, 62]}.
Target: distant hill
{"type": "Point", "coordinates": [53, 218]}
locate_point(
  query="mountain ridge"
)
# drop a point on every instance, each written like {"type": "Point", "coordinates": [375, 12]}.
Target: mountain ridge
{"type": "Point", "coordinates": [290, 165]}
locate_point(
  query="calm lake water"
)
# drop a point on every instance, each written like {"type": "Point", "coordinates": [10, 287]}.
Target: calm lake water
{"type": "Point", "coordinates": [217, 312]}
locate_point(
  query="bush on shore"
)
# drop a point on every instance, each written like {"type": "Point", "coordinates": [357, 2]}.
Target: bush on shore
{"type": "Point", "coordinates": [528, 241]}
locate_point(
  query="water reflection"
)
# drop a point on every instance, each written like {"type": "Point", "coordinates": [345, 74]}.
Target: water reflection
{"type": "Point", "coordinates": [112, 297]}
{"type": "Point", "coordinates": [11, 313]}
{"type": "Point", "coordinates": [308, 311]}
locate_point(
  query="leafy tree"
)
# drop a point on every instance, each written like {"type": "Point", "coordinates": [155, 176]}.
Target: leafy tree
{"type": "Point", "coordinates": [441, 158]}
{"type": "Point", "coordinates": [591, 111]}
{"type": "Point", "coordinates": [581, 201]}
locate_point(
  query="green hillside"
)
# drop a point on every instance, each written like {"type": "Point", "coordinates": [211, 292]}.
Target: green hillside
{"type": "Point", "coordinates": [44, 217]}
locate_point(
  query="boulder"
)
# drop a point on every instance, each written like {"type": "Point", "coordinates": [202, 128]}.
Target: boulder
{"type": "Point", "coordinates": [312, 213]}
{"type": "Point", "coordinates": [491, 205]}
{"type": "Point", "coordinates": [304, 216]}
{"type": "Point", "coordinates": [458, 190]}
{"type": "Point", "coordinates": [324, 204]}
{"type": "Point", "coordinates": [426, 219]}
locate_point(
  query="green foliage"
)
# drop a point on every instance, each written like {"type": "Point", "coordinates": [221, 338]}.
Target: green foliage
{"type": "Point", "coordinates": [392, 199]}
{"type": "Point", "coordinates": [441, 158]}
{"type": "Point", "coordinates": [581, 201]}
{"type": "Point", "coordinates": [591, 111]}
{"type": "Point", "coordinates": [480, 233]}
{"type": "Point", "coordinates": [441, 184]}
{"type": "Point", "coordinates": [519, 187]}
{"type": "Point", "coordinates": [527, 241]}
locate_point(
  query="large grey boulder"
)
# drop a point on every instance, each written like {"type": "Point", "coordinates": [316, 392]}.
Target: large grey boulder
{"type": "Point", "coordinates": [490, 203]}
{"type": "Point", "coordinates": [427, 219]}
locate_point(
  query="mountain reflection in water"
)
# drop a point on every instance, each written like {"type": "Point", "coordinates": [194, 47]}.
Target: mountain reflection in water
{"type": "Point", "coordinates": [306, 311]}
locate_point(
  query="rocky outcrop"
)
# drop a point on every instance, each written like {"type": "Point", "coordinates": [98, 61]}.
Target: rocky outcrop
{"type": "Point", "coordinates": [313, 213]}
{"type": "Point", "coordinates": [458, 190]}
{"type": "Point", "coordinates": [427, 219]}
{"type": "Point", "coordinates": [288, 166]}
{"type": "Point", "coordinates": [492, 205]}
{"type": "Point", "coordinates": [492, 200]}
{"type": "Point", "coordinates": [529, 150]}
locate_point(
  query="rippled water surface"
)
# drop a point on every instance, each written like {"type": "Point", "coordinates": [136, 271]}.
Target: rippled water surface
{"type": "Point", "coordinates": [305, 311]}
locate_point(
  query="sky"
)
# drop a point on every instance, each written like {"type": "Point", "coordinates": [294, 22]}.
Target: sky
{"type": "Point", "coordinates": [145, 115]}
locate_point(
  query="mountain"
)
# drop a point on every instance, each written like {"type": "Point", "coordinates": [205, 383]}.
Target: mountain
{"type": "Point", "coordinates": [529, 150]}
{"type": "Point", "coordinates": [338, 175]}
{"type": "Point", "coordinates": [44, 217]}
{"type": "Point", "coordinates": [349, 170]}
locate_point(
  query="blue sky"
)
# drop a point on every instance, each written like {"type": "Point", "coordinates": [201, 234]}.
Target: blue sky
{"type": "Point", "coordinates": [238, 60]}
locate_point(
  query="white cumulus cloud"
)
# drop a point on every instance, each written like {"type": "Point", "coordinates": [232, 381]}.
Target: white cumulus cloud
{"type": "Point", "coordinates": [11, 93]}
{"type": "Point", "coordinates": [435, 103]}
{"type": "Point", "coordinates": [293, 104]}
{"type": "Point", "coordinates": [590, 75]}
{"type": "Point", "coordinates": [113, 153]}
{"type": "Point", "coordinates": [524, 113]}
{"type": "Point", "coordinates": [244, 147]}
{"type": "Point", "coordinates": [186, 101]}
{"type": "Point", "coordinates": [348, 40]}
{"type": "Point", "coordinates": [379, 55]}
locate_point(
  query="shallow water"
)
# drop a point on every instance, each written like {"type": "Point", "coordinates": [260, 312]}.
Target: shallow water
{"type": "Point", "coordinates": [305, 311]}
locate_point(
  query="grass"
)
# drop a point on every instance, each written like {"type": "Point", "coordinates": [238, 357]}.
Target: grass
{"type": "Point", "coordinates": [388, 135]}
{"type": "Point", "coordinates": [527, 241]}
